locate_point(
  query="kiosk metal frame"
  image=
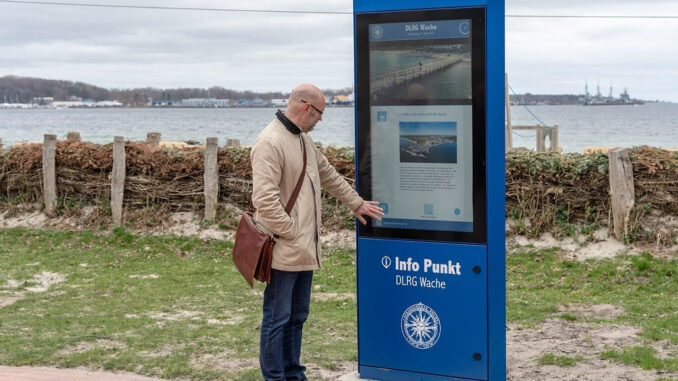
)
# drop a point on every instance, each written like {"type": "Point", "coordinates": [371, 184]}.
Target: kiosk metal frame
{"type": "Point", "coordinates": [431, 297]}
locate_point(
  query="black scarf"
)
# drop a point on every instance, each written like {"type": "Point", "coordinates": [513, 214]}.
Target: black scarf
{"type": "Point", "coordinates": [291, 127]}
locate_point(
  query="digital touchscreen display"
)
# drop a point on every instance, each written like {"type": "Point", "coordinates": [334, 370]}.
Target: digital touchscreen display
{"type": "Point", "coordinates": [419, 148]}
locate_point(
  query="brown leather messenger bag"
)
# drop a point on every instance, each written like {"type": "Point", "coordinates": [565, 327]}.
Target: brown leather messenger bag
{"type": "Point", "coordinates": [253, 248]}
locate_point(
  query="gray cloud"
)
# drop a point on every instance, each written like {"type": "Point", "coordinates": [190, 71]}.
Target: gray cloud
{"type": "Point", "coordinates": [263, 51]}
{"type": "Point", "coordinates": [559, 55]}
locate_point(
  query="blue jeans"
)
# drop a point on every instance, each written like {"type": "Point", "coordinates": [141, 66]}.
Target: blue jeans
{"type": "Point", "coordinates": [286, 302]}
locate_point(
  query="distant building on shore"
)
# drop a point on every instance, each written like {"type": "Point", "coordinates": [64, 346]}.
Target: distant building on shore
{"type": "Point", "coordinates": [343, 100]}
{"type": "Point", "coordinates": [279, 102]}
{"type": "Point", "coordinates": [17, 105]}
{"type": "Point", "coordinates": [191, 102]}
{"type": "Point", "coordinates": [109, 104]}
{"type": "Point", "coordinates": [42, 100]}
{"type": "Point", "coordinates": [164, 103]}
{"type": "Point", "coordinates": [204, 102]}
{"type": "Point", "coordinates": [256, 102]}
{"type": "Point", "coordinates": [88, 103]}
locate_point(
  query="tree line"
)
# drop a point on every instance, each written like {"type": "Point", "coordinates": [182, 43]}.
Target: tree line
{"type": "Point", "coordinates": [15, 89]}
{"type": "Point", "coordinates": [559, 99]}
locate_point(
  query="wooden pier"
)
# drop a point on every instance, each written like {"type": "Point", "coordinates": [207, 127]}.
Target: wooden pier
{"type": "Point", "coordinates": [542, 131]}
{"type": "Point", "coordinates": [396, 78]}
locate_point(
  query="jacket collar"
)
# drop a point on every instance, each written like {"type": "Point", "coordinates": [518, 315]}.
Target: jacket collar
{"type": "Point", "coordinates": [291, 127]}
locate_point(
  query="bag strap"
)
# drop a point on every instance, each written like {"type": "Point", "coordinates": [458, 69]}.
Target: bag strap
{"type": "Point", "coordinates": [297, 188]}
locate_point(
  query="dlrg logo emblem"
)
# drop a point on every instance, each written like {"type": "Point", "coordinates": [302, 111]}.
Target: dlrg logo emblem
{"type": "Point", "coordinates": [420, 326]}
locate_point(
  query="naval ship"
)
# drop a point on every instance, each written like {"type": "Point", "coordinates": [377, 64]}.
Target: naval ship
{"type": "Point", "coordinates": [599, 100]}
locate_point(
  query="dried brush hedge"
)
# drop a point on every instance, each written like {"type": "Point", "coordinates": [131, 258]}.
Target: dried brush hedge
{"type": "Point", "coordinates": [544, 191]}
{"type": "Point", "coordinates": [547, 189]}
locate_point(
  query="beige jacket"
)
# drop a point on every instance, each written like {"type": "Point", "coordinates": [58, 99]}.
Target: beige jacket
{"type": "Point", "coordinates": [277, 158]}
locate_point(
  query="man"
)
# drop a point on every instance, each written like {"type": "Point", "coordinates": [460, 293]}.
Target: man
{"type": "Point", "coordinates": [277, 161]}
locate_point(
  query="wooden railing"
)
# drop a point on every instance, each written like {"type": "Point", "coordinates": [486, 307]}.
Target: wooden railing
{"type": "Point", "coordinates": [396, 78]}
{"type": "Point", "coordinates": [542, 133]}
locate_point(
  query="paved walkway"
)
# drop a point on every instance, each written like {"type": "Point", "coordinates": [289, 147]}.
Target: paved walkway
{"type": "Point", "coordinates": [8, 373]}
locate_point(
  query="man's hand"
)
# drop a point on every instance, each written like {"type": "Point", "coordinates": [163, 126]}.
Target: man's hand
{"type": "Point", "coordinates": [369, 208]}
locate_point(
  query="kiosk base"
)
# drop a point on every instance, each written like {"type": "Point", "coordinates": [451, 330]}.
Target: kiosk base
{"type": "Point", "coordinates": [371, 373]}
{"type": "Point", "coordinates": [423, 304]}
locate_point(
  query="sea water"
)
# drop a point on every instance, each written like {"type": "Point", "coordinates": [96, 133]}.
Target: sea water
{"type": "Point", "coordinates": [654, 124]}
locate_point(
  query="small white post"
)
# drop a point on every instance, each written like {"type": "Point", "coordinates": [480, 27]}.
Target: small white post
{"type": "Point", "coordinates": [153, 139]}
{"type": "Point", "coordinates": [554, 139]}
{"type": "Point", "coordinates": [509, 129]}
{"type": "Point", "coordinates": [73, 136]}
{"type": "Point", "coordinates": [232, 142]}
{"type": "Point", "coordinates": [540, 139]}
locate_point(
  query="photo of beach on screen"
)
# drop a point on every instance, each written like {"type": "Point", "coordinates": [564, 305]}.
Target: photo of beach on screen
{"type": "Point", "coordinates": [428, 142]}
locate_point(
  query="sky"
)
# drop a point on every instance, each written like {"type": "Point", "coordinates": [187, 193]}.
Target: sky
{"type": "Point", "coordinates": [128, 48]}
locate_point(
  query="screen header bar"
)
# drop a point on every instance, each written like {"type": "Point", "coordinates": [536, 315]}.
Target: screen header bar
{"type": "Point", "coordinates": [360, 6]}
{"type": "Point", "coordinates": [420, 30]}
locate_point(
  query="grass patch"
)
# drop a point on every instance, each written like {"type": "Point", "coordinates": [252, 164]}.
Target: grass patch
{"type": "Point", "coordinates": [539, 281]}
{"type": "Point", "coordinates": [171, 307]}
{"type": "Point", "coordinates": [643, 357]}
{"type": "Point", "coordinates": [564, 361]}
{"type": "Point", "coordinates": [176, 307]}
{"type": "Point", "coordinates": [568, 317]}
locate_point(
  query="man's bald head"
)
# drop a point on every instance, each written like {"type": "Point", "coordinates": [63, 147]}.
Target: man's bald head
{"type": "Point", "coordinates": [306, 91]}
{"type": "Point", "coordinates": [305, 106]}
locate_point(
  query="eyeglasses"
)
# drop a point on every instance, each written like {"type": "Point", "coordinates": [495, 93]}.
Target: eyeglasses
{"type": "Point", "coordinates": [311, 104]}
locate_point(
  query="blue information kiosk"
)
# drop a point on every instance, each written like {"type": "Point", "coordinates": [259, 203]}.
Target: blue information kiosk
{"type": "Point", "coordinates": [430, 148]}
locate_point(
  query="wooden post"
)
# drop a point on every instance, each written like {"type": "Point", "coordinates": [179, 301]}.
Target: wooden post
{"type": "Point", "coordinates": [118, 179]}
{"type": "Point", "coordinates": [554, 139]}
{"type": "Point", "coordinates": [211, 178]}
{"type": "Point", "coordinates": [509, 130]}
{"type": "Point", "coordinates": [232, 142]}
{"type": "Point", "coordinates": [49, 173]}
{"type": "Point", "coordinates": [153, 139]}
{"type": "Point", "coordinates": [1, 144]}
{"type": "Point", "coordinates": [540, 139]}
{"type": "Point", "coordinates": [73, 136]}
{"type": "Point", "coordinates": [621, 190]}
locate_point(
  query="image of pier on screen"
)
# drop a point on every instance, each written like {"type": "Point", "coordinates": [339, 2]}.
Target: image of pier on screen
{"type": "Point", "coordinates": [428, 142]}
{"type": "Point", "coordinates": [406, 72]}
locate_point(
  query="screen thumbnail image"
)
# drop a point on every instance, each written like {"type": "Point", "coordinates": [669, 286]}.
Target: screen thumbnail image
{"type": "Point", "coordinates": [415, 73]}
{"type": "Point", "coordinates": [428, 142]}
